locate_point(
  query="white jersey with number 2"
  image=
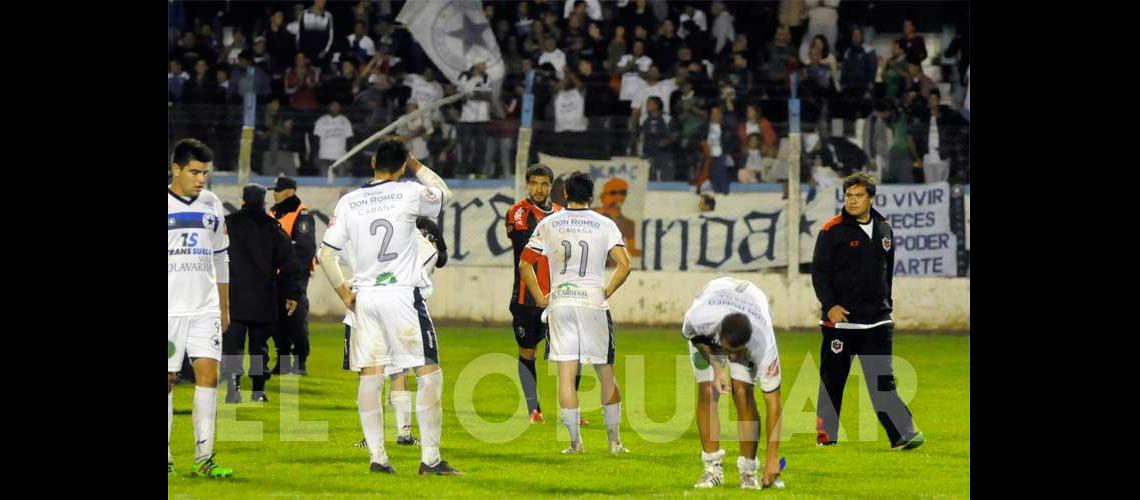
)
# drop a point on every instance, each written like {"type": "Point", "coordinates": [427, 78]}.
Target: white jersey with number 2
{"type": "Point", "coordinates": [577, 243]}
{"type": "Point", "coordinates": [378, 222]}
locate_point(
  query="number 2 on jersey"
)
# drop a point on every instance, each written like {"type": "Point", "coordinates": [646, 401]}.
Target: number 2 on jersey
{"type": "Point", "coordinates": [381, 223]}
{"type": "Point", "coordinates": [566, 246]}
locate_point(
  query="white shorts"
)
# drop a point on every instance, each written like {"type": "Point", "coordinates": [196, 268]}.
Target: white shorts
{"type": "Point", "coordinates": [704, 371]}
{"type": "Point", "coordinates": [391, 328]}
{"type": "Point", "coordinates": [580, 334]}
{"type": "Point", "coordinates": [195, 336]}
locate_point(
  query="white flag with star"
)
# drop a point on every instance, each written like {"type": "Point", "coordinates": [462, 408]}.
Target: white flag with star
{"type": "Point", "coordinates": [454, 34]}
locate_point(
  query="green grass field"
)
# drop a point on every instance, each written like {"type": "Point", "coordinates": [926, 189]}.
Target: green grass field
{"type": "Point", "coordinates": [300, 444]}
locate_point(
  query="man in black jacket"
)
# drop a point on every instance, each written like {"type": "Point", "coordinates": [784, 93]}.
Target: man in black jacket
{"type": "Point", "coordinates": [263, 267]}
{"type": "Point", "coordinates": [292, 336]}
{"type": "Point", "coordinates": [852, 272]}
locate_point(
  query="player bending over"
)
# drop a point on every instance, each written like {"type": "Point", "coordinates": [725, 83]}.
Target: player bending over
{"type": "Point", "coordinates": [729, 329]}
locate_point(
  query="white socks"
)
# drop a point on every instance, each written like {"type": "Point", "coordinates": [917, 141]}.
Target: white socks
{"type": "Point", "coordinates": [748, 465]}
{"type": "Point", "coordinates": [430, 415]}
{"type": "Point", "coordinates": [169, 423]}
{"type": "Point", "coordinates": [712, 459]}
{"type": "Point", "coordinates": [612, 415]}
{"type": "Point", "coordinates": [372, 416]}
{"type": "Point", "coordinates": [402, 403]}
{"type": "Point", "coordinates": [569, 418]}
{"type": "Point", "coordinates": [205, 404]}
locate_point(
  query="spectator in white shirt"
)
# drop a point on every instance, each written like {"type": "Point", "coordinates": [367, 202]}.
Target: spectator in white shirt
{"type": "Point", "coordinates": [722, 30]}
{"type": "Point", "coordinates": [359, 44]}
{"type": "Point", "coordinates": [653, 87]}
{"type": "Point", "coordinates": [823, 19]}
{"type": "Point", "coordinates": [333, 130]}
{"type": "Point", "coordinates": [553, 55]}
{"type": "Point", "coordinates": [696, 16]}
{"type": "Point", "coordinates": [475, 118]}
{"type": "Point", "coordinates": [569, 105]}
{"type": "Point", "coordinates": [592, 8]}
{"type": "Point", "coordinates": [415, 132]}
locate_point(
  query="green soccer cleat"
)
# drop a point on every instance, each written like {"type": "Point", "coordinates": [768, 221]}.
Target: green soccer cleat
{"type": "Point", "coordinates": [207, 468]}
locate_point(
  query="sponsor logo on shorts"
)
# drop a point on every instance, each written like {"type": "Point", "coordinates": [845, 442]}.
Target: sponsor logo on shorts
{"type": "Point", "coordinates": [216, 340]}
{"type": "Point", "coordinates": [217, 326]}
{"type": "Point", "coordinates": [520, 332]}
{"type": "Point", "coordinates": [837, 346]}
{"type": "Point", "coordinates": [169, 349]}
{"type": "Point", "coordinates": [699, 361]}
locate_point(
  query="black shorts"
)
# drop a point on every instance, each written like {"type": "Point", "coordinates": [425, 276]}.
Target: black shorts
{"type": "Point", "coordinates": [527, 325]}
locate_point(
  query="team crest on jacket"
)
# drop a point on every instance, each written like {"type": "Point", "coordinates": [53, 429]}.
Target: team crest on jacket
{"type": "Point", "coordinates": [837, 346]}
{"type": "Point", "coordinates": [886, 244]}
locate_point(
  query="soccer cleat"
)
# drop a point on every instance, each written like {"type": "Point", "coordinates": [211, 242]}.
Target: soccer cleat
{"type": "Point", "coordinates": [384, 468]}
{"type": "Point", "coordinates": [408, 440]}
{"type": "Point", "coordinates": [301, 371]}
{"type": "Point", "coordinates": [440, 469]}
{"type": "Point", "coordinates": [363, 443]}
{"type": "Point", "coordinates": [574, 449]}
{"type": "Point", "coordinates": [259, 397]}
{"type": "Point", "coordinates": [749, 481]}
{"type": "Point", "coordinates": [829, 443]}
{"type": "Point", "coordinates": [913, 443]}
{"type": "Point", "coordinates": [207, 468]}
{"type": "Point", "coordinates": [170, 467]}
{"type": "Point", "coordinates": [618, 449]}
{"type": "Point", "coordinates": [536, 417]}
{"type": "Point", "coordinates": [712, 478]}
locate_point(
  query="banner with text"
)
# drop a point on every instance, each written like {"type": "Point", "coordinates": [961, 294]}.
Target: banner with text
{"type": "Point", "coordinates": [920, 216]}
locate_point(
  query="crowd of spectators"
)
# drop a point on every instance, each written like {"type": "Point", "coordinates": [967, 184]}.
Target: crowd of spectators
{"type": "Point", "coordinates": [698, 88]}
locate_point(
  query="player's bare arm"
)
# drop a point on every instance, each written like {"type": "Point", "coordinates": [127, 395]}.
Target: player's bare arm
{"type": "Point", "coordinates": [621, 259]}
{"type": "Point", "coordinates": [720, 369]}
{"type": "Point", "coordinates": [526, 271]}
{"type": "Point", "coordinates": [224, 302]}
{"type": "Point", "coordinates": [332, 271]}
{"type": "Point", "coordinates": [773, 411]}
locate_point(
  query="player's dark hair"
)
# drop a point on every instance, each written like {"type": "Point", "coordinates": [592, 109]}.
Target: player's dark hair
{"type": "Point", "coordinates": [390, 156]}
{"type": "Point", "coordinates": [859, 179]}
{"type": "Point", "coordinates": [579, 188]}
{"type": "Point", "coordinates": [709, 201]}
{"type": "Point", "coordinates": [191, 149]}
{"type": "Point", "coordinates": [660, 104]}
{"type": "Point", "coordinates": [735, 330]}
{"type": "Point", "coordinates": [539, 170]}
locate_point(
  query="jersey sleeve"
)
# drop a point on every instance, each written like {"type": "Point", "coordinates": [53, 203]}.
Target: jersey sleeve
{"type": "Point", "coordinates": [429, 201]}
{"type": "Point", "coordinates": [222, 234]}
{"type": "Point", "coordinates": [536, 246]}
{"type": "Point", "coordinates": [336, 236]}
{"type": "Point", "coordinates": [613, 236]}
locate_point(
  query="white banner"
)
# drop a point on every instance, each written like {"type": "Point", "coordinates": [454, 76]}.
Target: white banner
{"type": "Point", "coordinates": [737, 237]}
{"type": "Point", "coordinates": [453, 33]}
{"type": "Point", "coordinates": [919, 215]}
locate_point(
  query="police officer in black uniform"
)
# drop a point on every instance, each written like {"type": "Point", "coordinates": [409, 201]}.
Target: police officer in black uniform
{"type": "Point", "coordinates": [852, 271]}
{"type": "Point", "coordinates": [263, 267]}
{"type": "Point", "coordinates": [293, 330]}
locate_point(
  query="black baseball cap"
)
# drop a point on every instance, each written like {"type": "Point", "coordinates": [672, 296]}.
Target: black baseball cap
{"type": "Point", "coordinates": [284, 183]}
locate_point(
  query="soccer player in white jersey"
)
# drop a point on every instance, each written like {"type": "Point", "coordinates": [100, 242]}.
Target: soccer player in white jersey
{"type": "Point", "coordinates": [392, 328]}
{"type": "Point", "coordinates": [577, 242]}
{"type": "Point", "coordinates": [433, 254]}
{"type": "Point", "coordinates": [197, 295]}
{"type": "Point", "coordinates": [729, 329]}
